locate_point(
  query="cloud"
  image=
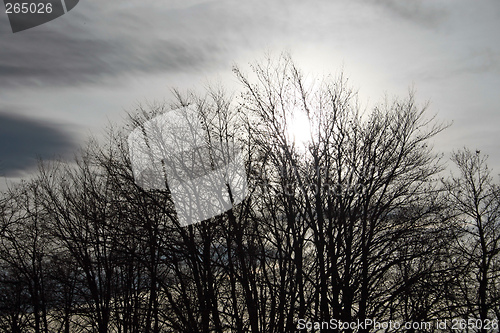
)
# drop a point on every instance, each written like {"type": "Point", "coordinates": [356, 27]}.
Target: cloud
{"type": "Point", "coordinates": [23, 140]}
{"type": "Point", "coordinates": [424, 12]}
{"type": "Point", "coordinates": [85, 46]}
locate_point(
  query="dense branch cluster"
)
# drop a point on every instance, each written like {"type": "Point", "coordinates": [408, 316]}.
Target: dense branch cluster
{"type": "Point", "coordinates": [361, 222]}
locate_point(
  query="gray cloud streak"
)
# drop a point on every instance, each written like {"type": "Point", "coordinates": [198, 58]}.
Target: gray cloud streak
{"type": "Point", "coordinates": [74, 52]}
{"type": "Point", "coordinates": [422, 12]}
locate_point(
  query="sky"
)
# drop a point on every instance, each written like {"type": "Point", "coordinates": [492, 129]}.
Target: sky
{"type": "Point", "coordinates": [70, 78]}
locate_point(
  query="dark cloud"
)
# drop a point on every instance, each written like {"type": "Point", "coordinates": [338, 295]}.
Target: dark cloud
{"type": "Point", "coordinates": [24, 140]}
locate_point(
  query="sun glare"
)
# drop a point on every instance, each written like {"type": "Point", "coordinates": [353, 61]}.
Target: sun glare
{"type": "Point", "coordinates": [299, 129]}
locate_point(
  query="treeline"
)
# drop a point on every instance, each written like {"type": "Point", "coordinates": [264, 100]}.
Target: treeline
{"type": "Point", "coordinates": [365, 221]}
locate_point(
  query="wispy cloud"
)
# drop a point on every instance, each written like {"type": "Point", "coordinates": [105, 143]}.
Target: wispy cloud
{"type": "Point", "coordinates": [80, 66]}
{"type": "Point", "coordinates": [426, 12]}
{"type": "Point", "coordinates": [87, 47]}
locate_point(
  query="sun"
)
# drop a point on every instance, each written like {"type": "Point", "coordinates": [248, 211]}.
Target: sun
{"type": "Point", "coordinates": [299, 128]}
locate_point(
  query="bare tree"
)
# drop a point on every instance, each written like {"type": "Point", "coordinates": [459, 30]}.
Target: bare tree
{"type": "Point", "coordinates": [363, 188]}
{"type": "Point", "coordinates": [476, 199]}
{"type": "Point", "coordinates": [350, 224]}
{"type": "Point", "coordinates": [25, 247]}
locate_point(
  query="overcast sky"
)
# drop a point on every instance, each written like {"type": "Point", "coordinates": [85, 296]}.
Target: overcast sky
{"type": "Point", "coordinates": [66, 79]}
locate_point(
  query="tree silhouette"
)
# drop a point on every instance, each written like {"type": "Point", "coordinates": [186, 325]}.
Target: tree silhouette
{"type": "Point", "coordinates": [476, 200]}
{"type": "Point", "coordinates": [355, 224]}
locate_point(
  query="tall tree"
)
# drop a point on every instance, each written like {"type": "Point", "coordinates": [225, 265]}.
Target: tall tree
{"type": "Point", "coordinates": [361, 189]}
{"type": "Point", "coordinates": [476, 199]}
